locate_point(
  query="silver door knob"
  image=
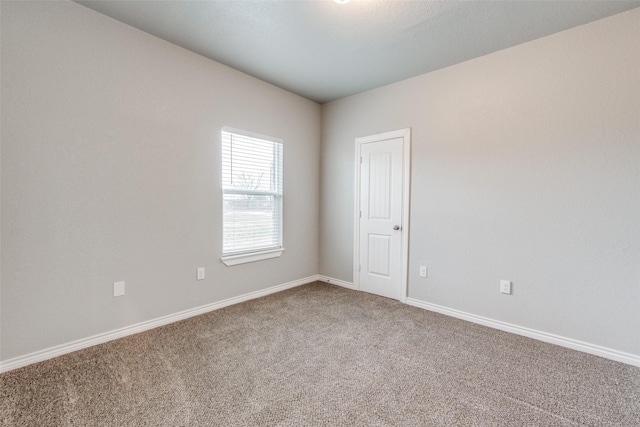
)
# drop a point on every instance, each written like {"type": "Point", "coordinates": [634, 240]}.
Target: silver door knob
{"type": "Point", "coordinates": [396, 227]}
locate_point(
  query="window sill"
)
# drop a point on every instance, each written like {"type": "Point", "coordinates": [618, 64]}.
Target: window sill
{"type": "Point", "coordinates": [230, 260]}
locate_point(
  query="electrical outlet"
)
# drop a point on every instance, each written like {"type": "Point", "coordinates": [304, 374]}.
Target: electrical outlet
{"type": "Point", "coordinates": [505, 287]}
{"type": "Point", "coordinates": [423, 271]}
{"type": "Point", "coordinates": [118, 289]}
{"type": "Point", "coordinates": [200, 273]}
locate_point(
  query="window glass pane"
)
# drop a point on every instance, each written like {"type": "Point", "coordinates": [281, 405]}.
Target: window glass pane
{"type": "Point", "coordinates": [251, 222]}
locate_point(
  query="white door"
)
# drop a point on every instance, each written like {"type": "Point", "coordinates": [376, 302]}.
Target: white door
{"type": "Point", "coordinates": [381, 217]}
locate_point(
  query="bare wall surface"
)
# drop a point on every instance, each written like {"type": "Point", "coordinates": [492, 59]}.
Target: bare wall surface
{"type": "Point", "coordinates": [525, 167]}
{"type": "Point", "coordinates": [110, 154]}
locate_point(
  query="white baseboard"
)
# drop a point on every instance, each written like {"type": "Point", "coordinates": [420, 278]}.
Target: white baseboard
{"type": "Point", "coordinates": [59, 350]}
{"type": "Point", "coordinates": [338, 282]}
{"type": "Point", "coordinates": [608, 353]}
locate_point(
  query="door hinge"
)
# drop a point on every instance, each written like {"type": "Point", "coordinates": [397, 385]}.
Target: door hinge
{"type": "Point", "coordinates": [360, 159]}
{"type": "Point", "coordinates": [360, 214]}
{"type": "Point", "coordinates": [359, 267]}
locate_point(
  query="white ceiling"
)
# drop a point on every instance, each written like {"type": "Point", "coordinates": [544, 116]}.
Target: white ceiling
{"type": "Point", "coordinates": [325, 51]}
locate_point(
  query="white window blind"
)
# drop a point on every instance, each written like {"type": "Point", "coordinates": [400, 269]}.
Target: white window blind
{"type": "Point", "coordinates": [252, 192]}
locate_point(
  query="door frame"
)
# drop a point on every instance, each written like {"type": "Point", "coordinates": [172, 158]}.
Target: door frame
{"type": "Point", "coordinates": [405, 134]}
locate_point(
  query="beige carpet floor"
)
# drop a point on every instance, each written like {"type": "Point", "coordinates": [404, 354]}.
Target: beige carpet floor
{"type": "Point", "coordinates": [322, 355]}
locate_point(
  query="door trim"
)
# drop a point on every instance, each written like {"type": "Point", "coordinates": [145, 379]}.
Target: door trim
{"type": "Point", "coordinates": [405, 134]}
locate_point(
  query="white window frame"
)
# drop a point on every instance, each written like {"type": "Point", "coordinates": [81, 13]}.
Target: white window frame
{"type": "Point", "coordinates": [252, 255]}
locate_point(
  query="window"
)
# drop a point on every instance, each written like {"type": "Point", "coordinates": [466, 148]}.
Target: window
{"type": "Point", "coordinates": [252, 197]}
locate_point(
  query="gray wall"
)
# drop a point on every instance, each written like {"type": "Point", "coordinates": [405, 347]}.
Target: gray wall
{"type": "Point", "coordinates": [525, 167]}
{"type": "Point", "coordinates": [110, 154]}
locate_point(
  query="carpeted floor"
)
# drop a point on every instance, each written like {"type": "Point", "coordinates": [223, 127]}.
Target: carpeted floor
{"type": "Point", "coordinates": [322, 355]}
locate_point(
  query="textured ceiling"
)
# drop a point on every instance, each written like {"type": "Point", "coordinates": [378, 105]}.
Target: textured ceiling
{"type": "Point", "coordinates": [325, 51]}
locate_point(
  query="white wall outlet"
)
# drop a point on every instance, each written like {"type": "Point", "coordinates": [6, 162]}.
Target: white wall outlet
{"type": "Point", "coordinates": [200, 273]}
{"type": "Point", "coordinates": [423, 271]}
{"type": "Point", "coordinates": [505, 287]}
{"type": "Point", "coordinates": [118, 289]}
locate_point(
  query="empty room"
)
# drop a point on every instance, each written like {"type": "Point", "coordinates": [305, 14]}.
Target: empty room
{"type": "Point", "coordinates": [323, 212]}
